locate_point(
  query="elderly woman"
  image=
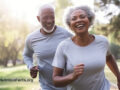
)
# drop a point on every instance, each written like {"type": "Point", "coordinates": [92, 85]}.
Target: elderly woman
{"type": "Point", "coordinates": [83, 57]}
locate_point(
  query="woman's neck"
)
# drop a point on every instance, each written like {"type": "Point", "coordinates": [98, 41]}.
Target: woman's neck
{"type": "Point", "coordinates": [83, 40]}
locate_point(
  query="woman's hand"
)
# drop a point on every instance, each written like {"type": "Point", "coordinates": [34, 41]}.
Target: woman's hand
{"type": "Point", "coordinates": [78, 70]}
{"type": "Point", "coordinates": [60, 80]}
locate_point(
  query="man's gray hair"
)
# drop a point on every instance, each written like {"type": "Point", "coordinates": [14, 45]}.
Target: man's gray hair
{"type": "Point", "coordinates": [45, 6]}
{"type": "Point", "coordinates": [70, 10]}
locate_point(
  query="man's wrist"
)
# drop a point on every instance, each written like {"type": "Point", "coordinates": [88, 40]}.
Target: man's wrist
{"type": "Point", "coordinates": [30, 67]}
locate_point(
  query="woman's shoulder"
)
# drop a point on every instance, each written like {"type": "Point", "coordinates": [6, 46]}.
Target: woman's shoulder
{"type": "Point", "coordinates": [101, 38]}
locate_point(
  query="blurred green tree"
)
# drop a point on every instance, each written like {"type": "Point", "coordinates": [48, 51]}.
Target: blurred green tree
{"type": "Point", "coordinates": [111, 29]}
{"type": "Point", "coordinates": [12, 37]}
{"type": "Point", "coordinates": [59, 10]}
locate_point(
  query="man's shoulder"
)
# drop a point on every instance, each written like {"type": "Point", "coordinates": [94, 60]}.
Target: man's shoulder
{"type": "Point", "coordinates": [66, 42]}
{"type": "Point", "coordinates": [32, 34]}
{"type": "Point", "coordinates": [63, 31]}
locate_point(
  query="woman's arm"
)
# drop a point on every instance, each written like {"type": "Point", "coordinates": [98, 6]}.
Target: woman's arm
{"type": "Point", "coordinates": [110, 60]}
{"type": "Point", "coordinates": [60, 81]}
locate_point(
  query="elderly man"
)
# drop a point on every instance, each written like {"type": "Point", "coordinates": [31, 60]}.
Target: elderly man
{"type": "Point", "coordinates": [43, 44]}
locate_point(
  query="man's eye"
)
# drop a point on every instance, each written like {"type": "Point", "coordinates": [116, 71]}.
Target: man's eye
{"type": "Point", "coordinates": [51, 17]}
{"type": "Point", "coordinates": [48, 17]}
{"type": "Point", "coordinates": [45, 18]}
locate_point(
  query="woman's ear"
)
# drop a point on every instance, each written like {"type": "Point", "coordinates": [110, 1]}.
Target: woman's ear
{"type": "Point", "coordinates": [70, 26]}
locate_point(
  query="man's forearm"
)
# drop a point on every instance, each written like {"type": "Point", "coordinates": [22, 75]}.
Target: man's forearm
{"type": "Point", "coordinates": [28, 61]}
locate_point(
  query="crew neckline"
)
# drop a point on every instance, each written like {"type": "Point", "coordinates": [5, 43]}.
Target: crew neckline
{"type": "Point", "coordinates": [85, 45]}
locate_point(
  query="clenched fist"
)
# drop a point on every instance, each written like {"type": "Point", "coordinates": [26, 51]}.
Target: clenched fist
{"type": "Point", "coordinates": [33, 71]}
{"type": "Point", "coordinates": [78, 70]}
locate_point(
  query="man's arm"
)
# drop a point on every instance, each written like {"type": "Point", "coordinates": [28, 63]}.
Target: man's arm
{"type": "Point", "coordinates": [28, 53]}
{"type": "Point", "coordinates": [28, 58]}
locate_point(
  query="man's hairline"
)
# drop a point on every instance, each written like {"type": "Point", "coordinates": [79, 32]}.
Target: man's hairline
{"type": "Point", "coordinates": [45, 7]}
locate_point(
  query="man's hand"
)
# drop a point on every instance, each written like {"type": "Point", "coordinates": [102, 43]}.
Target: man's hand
{"type": "Point", "coordinates": [33, 71]}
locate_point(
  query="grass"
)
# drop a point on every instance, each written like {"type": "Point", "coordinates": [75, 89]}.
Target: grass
{"type": "Point", "coordinates": [21, 72]}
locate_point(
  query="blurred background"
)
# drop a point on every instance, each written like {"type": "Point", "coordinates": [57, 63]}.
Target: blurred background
{"type": "Point", "coordinates": [18, 19]}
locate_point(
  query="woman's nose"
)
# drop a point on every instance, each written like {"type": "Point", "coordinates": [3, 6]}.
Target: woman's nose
{"type": "Point", "coordinates": [79, 19]}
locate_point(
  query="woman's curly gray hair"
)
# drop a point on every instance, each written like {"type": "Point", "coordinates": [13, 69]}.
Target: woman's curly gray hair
{"type": "Point", "coordinates": [70, 10]}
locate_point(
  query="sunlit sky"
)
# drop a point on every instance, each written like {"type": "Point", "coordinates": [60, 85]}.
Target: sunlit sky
{"type": "Point", "coordinates": [27, 9]}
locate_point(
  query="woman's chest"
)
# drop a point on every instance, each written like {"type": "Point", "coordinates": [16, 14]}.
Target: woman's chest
{"type": "Point", "coordinates": [93, 58]}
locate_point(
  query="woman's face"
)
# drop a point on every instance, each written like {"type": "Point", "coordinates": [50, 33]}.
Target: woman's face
{"type": "Point", "coordinates": [79, 21]}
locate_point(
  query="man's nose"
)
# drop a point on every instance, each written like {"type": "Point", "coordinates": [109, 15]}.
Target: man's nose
{"type": "Point", "coordinates": [49, 21]}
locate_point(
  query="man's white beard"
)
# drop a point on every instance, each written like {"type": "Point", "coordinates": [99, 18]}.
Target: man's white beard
{"type": "Point", "coordinates": [48, 31]}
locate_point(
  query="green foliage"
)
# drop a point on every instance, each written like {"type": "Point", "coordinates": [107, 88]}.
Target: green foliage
{"type": "Point", "coordinates": [102, 3]}
{"type": "Point", "coordinates": [12, 88]}
{"type": "Point", "coordinates": [115, 49]}
{"type": "Point", "coordinates": [59, 11]}
{"type": "Point", "coordinates": [12, 37]}
{"type": "Point", "coordinates": [115, 28]}
{"type": "Point", "coordinates": [111, 29]}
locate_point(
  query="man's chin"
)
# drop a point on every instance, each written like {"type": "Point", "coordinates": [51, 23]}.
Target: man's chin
{"type": "Point", "coordinates": [49, 30]}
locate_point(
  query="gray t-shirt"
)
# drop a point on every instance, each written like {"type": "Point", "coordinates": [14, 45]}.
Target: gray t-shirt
{"type": "Point", "coordinates": [93, 56]}
{"type": "Point", "coordinates": [44, 47]}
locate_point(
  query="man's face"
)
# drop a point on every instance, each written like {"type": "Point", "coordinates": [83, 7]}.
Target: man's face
{"type": "Point", "coordinates": [47, 18]}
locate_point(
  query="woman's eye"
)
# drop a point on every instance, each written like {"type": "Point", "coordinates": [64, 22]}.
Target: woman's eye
{"type": "Point", "coordinates": [83, 16]}
{"type": "Point", "coordinates": [73, 18]}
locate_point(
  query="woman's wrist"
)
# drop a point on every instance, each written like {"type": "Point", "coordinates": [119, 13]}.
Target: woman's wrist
{"type": "Point", "coordinates": [73, 76]}
{"type": "Point", "coordinates": [118, 77]}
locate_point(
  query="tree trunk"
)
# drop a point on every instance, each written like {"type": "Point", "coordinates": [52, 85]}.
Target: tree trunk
{"type": "Point", "coordinates": [14, 62]}
{"type": "Point", "coordinates": [6, 63]}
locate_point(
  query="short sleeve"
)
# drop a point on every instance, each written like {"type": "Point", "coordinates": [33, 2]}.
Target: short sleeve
{"type": "Point", "coordinates": [108, 49]}
{"type": "Point", "coordinates": [59, 58]}
{"type": "Point", "coordinates": [108, 52]}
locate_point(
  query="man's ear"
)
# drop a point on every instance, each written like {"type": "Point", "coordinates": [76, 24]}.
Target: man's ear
{"type": "Point", "coordinates": [38, 18]}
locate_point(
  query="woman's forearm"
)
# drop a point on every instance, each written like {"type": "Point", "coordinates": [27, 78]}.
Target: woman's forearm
{"type": "Point", "coordinates": [113, 66]}
{"type": "Point", "coordinates": [61, 81]}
